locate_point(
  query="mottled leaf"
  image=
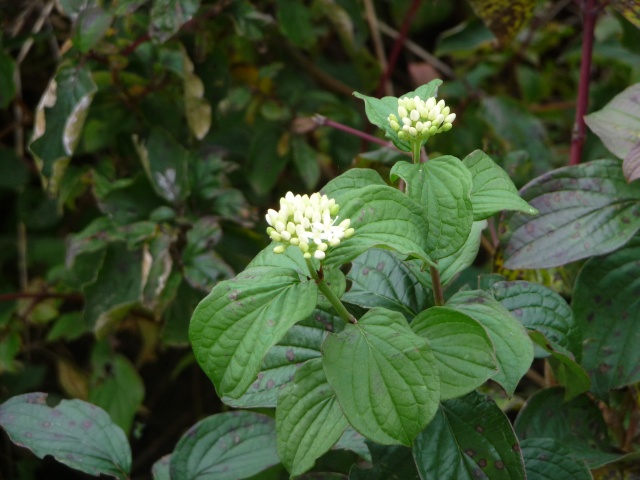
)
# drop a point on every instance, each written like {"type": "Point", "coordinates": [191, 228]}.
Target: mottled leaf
{"type": "Point", "coordinates": [585, 210]}
{"type": "Point", "coordinates": [226, 446]}
{"type": "Point", "coordinates": [384, 376]}
{"type": "Point", "coordinates": [547, 459]}
{"type": "Point", "coordinates": [470, 438]}
{"type": "Point", "coordinates": [168, 16]}
{"type": "Point", "coordinates": [505, 18]}
{"type": "Point", "coordinates": [75, 433]}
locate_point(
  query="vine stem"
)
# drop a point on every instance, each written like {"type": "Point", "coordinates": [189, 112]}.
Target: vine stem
{"type": "Point", "coordinates": [329, 294]}
{"type": "Point", "coordinates": [590, 12]}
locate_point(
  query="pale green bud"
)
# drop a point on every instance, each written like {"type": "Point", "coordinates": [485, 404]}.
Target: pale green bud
{"type": "Point", "coordinates": [319, 254]}
{"type": "Point", "coordinates": [446, 127]}
{"type": "Point", "coordinates": [278, 249]}
{"type": "Point", "coordinates": [394, 125]}
{"type": "Point", "coordinates": [450, 118]}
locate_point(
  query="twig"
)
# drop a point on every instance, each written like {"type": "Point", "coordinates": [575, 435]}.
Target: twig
{"type": "Point", "coordinates": [589, 15]}
{"type": "Point", "coordinates": [418, 51]}
{"type": "Point", "coordinates": [536, 378]}
{"type": "Point", "coordinates": [397, 46]}
{"type": "Point", "coordinates": [325, 122]}
{"type": "Point", "coordinates": [374, 26]}
{"type": "Point", "coordinates": [438, 296]}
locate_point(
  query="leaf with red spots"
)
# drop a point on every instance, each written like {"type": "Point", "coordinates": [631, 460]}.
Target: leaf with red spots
{"type": "Point", "coordinates": [309, 420]}
{"type": "Point", "coordinates": [226, 446]}
{"type": "Point", "coordinates": [606, 304]}
{"type": "Point", "coordinates": [470, 438]}
{"type": "Point", "coordinates": [577, 423]}
{"type": "Point", "coordinates": [505, 18]}
{"type": "Point", "coordinates": [75, 433]}
{"type": "Point", "coordinates": [585, 210]}
{"type": "Point", "coordinates": [547, 459]}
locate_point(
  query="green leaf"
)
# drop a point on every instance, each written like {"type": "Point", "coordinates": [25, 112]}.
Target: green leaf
{"type": "Point", "coordinates": [268, 158]}
{"type": "Point", "coordinates": [631, 164]}
{"type": "Point", "coordinates": [442, 187]}
{"type": "Point", "coordinates": [234, 327]}
{"type": "Point", "coordinates": [606, 305]}
{"type": "Point", "coordinates": [580, 209]}
{"type": "Point", "coordinates": [541, 309]}
{"type": "Point", "coordinates": [168, 16]}
{"type": "Point", "coordinates": [197, 108]}
{"type": "Point", "coordinates": [514, 350]}
{"type": "Point", "coordinates": [226, 446]}
{"type": "Point", "coordinates": [384, 376]}
{"type": "Point", "coordinates": [203, 266]}
{"type": "Point", "coordinates": [451, 265]}
{"type": "Point", "coordinates": [301, 343]}
{"type": "Point", "coordinates": [344, 184]}
{"type": "Point", "coordinates": [462, 348]}
{"type": "Point", "coordinates": [90, 27]}
{"type": "Point", "coordinates": [492, 191]}
{"type": "Point", "coordinates": [309, 420]}
{"type": "Point", "coordinates": [352, 440]}
{"type": "Point", "coordinates": [469, 438]}
{"type": "Point", "coordinates": [59, 119]}
{"type": "Point", "coordinates": [76, 433]}
{"type": "Point", "coordinates": [382, 217]}
{"type": "Point", "coordinates": [294, 20]}
{"type": "Point", "coordinates": [116, 386]}
{"type": "Point", "coordinates": [547, 459]}
{"type": "Point", "coordinates": [165, 162]}
{"type": "Point", "coordinates": [7, 69]}
{"type": "Point", "coordinates": [505, 18]}
{"type": "Point", "coordinates": [630, 10]}
{"type": "Point", "coordinates": [577, 423]}
{"type": "Point", "coordinates": [113, 294]}
{"type": "Point", "coordinates": [161, 468]}
{"type": "Point", "coordinates": [379, 278]}
{"type": "Point", "coordinates": [618, 123]}
{"type": "Point", "coordinates": [568, 373]}
{"type": "Point", "coordinates": [379, 109]}
{"type": "Point", "coordinates": [389, 463]}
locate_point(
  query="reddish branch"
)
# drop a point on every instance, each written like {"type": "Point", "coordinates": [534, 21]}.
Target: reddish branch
{"type": "Point", "coordinates": [397, 46]}
{"type": "Point", "coordinates": [324, 121]}
{"type": "Point", "coordinates": [590, 10]}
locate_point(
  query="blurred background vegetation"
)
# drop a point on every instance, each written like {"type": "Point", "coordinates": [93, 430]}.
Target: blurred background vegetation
{"type": "Point", "coordinates": [141, 142]}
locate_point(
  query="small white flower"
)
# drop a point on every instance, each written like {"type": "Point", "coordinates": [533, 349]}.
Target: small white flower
{"type": "Point", "coordinates": [309, 223]}
{"type": "Point", "coordinates": [419, 119]}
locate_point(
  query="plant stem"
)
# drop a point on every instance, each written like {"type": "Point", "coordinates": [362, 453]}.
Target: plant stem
{"type": "Point", "coordinates": [416, 147]}
{"type": "Point", "coordinates": [589, 15]}
{"type": "Point", "coordinates": [438, 296]}
{"type": "Point", "coordinates": [325, 122]}
{"type": "Point", "coordinates": [329, 294]}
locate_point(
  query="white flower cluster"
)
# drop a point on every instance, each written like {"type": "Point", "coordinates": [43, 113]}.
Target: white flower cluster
{"type": "Point", "coordinates": [307, 222]}
{"type": "Point", "coordinates": [419, 119]}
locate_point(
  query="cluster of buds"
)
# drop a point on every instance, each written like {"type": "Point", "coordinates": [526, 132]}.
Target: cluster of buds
{"type": "Point", "coordinates": [307, 222]}
{"type": "Point", "coordinates": [418, 119]}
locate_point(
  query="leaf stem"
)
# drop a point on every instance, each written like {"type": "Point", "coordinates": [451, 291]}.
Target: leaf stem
{"type": "Point", "coordinates": [438, 296]}
{"type": "Point", "coordinates": [416, 147]}
{"type": "Point", "coordinates": [329, 294]}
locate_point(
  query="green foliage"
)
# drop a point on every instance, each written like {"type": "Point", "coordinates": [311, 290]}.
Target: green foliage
{"type": "Point", "coordinates": [142, 141]}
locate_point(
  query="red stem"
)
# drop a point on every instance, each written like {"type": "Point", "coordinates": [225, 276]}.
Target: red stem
{"type": "Point", "coordinates": [397, 46]}
{"type": "Point", "coordinates": [590, 12]}
{"type": "Point", "coordinates": [324, 121]}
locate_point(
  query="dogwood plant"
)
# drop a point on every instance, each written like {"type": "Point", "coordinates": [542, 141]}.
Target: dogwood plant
{"type": "Point", "coordinates": [382, 356]}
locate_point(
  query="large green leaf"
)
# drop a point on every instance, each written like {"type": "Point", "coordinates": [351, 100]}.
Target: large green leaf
{"type": "Point", "coordinates": [379, 109]}
{"type": "Point", "coordinates": [542, 309]}
{"type": "Point", "coordinates": [585, 210]}
{"type": "Point", "coordinates": [577, 423]}
{"type": "Point", "coordinates": [492, 191]}
{"type": "Point", "coordinates": [233, 328]}
{"type": "Point", "coordinates": [504, 18]}
{"type": "Point", "coordinates": [470, 438]}
{"type": "Point", "coordinates": [301, 343]}
{"type": "Point", "coordinates": [607, 308]}
{"type": "Point", "coordinates": [90, 27]}
{"type": "Point", "coordinates": [167, 16]}
{"type": "Point", "coordinates": [379, 278]}
{"type": "Point", "coordinates": [294, 20]}
{"type": "Point", "coordinates": [226, 446]}
{"type": "Point", "coordinates": [385, 377]}
{"type": "Point", "coordinates": [165, 162]}
{"type": "Point", "coordinates": [442, 187]}
{"type": "Point", "coordinates": [547, 459]}
{"type": "Point", "coordinates": [382, 217]}
{"type": "Point", "coordinates": [309, 420]}
{"type": "Point", "coordinates": [462, 348]}
{"type": "Point", "coordinates": [514, 350]}
{"type": "Point", "coordinates": [59, 121]}
{"type": "Point", "coordinates": [161, 469]}
{"type": "Point", "coordinates": [75, 433]}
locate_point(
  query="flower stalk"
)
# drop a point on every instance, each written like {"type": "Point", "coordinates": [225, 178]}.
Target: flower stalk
{"type": "Point", "coordinates": [330, 294]}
